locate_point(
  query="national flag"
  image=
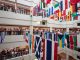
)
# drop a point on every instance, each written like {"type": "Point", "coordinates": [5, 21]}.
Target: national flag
{"type": "Point", "coordinates": [41, 5]}
{"type": "Point", "coordinates": [68, 41]}
{"type": "Point", "coordinates": [48, 1]}
{"type": "Point", "coordinates": [71, 42]}
{"type": "Point", "coordinates": [38, 7]}
{"type": "Point", "coordinates": [49, 50]}
{"type": "Point", "coordinates": [2, 37]}
{"type": "Point", "coordinates": [61, 5]}
{"type": "Point", "coordinates": [33, 41]}
{"type": "Point", "coordinates": [56, 5]}
{"type": "Point", "coordinates": [38, 46]}
{"type": "Point", "coordinates": [49, 12]}
{"type": "Point", "coordinates": [63, 41]}
{"type": "Point", "coordinates": [60, 40]}
{"type": "Point", "coordinates": [55, 46]}
{"type": "Point", "coordinates": [43, 48]}
{"type": "Point", "coordinates": [71, 9]}
{"type": "Point", "coordinates": [48, 46]}
{"type": "Point", "coordinates": [75, 42]}
{"type": "Point", "coordinates": [66, 4]}
{"type": "Point", "coordinates": [78, 40]}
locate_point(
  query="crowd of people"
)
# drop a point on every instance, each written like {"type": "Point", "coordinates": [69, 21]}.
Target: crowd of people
{"type": "Point", "coordinates": [11, 53]}
{"type": "Point", "coordinates": [7, 7]}
{"type": "Point", "coordinates": [11, 31]}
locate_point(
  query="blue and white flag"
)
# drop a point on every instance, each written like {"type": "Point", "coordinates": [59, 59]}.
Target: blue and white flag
{"type": "Point", "coordinates": [37, 46]}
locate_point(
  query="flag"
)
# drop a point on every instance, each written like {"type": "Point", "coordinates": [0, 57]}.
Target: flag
{"type": "Point", "coordinates": [68, 42]}
{"type": "Point", "coordinates": [66, 4]}
{"type": "Point", "coordinates": [38, 7]}
{"type": "Point", "coordinates": [2, 37]}
{"type": "Point", "coordinates": [60, 40]}
{"type": "Point", "coordinates": [55, 46]}
{"type": "Point", "coordinates": [49, 50]}
{"type": "Point", "coordinates": [71, 42]}
{"type": "Point", "coordinates": [56, 5]}
{"type": "Point", "coordinates": [63, 40]}
{"type": "Point", "coordinates": [41, 5]}
{"type": "Point", "coordinates": [48, 1]}
{"type": "Point", "coordinates": [43, 48]}
{"type": "Point", "coordinates": [49, 12]}
{"type": "Point", "coordinates": [52, 10]}
{"type": "Point", "coordinates": [78, 40]}
{"type": "Point", "coordinates": [61, 5]}
{"type": "Point", "coordinates": [33, 44]}
{"type": "Point", "coordinates": [48, 46]}
{"type": "Point", "coordinates": [37, 46]}
{"type": "Point", "coordinates": [75, 42]}
{"type": "Point", "coordinates": [71, 9]}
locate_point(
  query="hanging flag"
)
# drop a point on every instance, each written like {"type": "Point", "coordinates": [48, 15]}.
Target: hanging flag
{"type": "Point", "coordinates": [48, 1]}
{"type": "Point", "coordinates": [60, 40]}
{"type": "Point", "coordinates": [61, 5]}
{"type": "Point", "coordinates": [49, 50]}
{"type": "Point", "coordinates": [56, 5]}
{"type": "Point", "coordinates": [2, 37]}
{"type": "Point", "coordinates": [63, 40]}
{"type": "Point", "coordinates": [43, 48]}
{"type": "Point", "coordinates": [52, 10]}
{"type": "Point", "coordinates": [66, 4]}
{"type": "Point", "coordinates": [38, 7]}
{"type": "Point", "coordinates": [55, 46]}
{"type": "Point", "coordinates": [71, 9]}
{"type": "Point", "coordinates": [68, 42]}
{"type": "Point", "coordinates": [71, 42]}
{"type": "Point", "coordinates": [78, 40]}
{"type": "Point", "coordinates": [49, 12]}
{"type": "Point", "coordinates": [33, 44]}
{"type": "Point", "coordinates": [37, 47]}
{"type": "Point", "coordinates": [48, 46]}
{"type": "Point", "coordinates": [41, 5]}
{"type": "Point", "coordinates": [75, 42]}
{"type": "Point", "coordinates": [74, 14]}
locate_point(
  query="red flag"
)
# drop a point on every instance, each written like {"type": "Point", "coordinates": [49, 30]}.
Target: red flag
{"type": "Point", "coordinates": [55, 50]}
{"type": "Point", "coordinates": [66, 4]}
{"type": "Point", "coordinates": [43, 48]}
{"type": "Point", "coordinates": [74, 1]}
{"type": "Point", "coordinates": [71, 42]}
{"type": "Point", "coordinates": [48, 1]}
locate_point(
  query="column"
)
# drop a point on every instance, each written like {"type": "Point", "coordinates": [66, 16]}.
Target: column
{"type": "Point", "coordinates": [67, 29]}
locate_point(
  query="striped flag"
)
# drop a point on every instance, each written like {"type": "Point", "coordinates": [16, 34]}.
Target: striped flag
{"type": "Point", "coordinates": [38, 47]}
